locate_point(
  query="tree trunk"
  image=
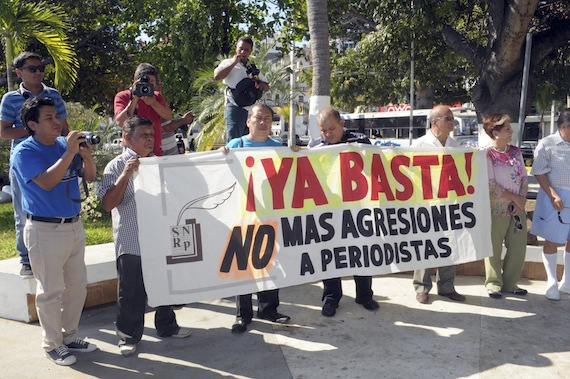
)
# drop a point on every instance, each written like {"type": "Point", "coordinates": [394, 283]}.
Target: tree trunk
{"type": "Point", "coordinates": [9, 53]}
{"type": "Point", "coordinates": [500, 63]}
{"type": "Point", "coordinates": [424, 97]}
{"type": "Point", "coordinates": [320, 57]}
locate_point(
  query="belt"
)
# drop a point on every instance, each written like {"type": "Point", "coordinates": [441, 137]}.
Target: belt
{"type": "Point", "coordinates": [53, 220]}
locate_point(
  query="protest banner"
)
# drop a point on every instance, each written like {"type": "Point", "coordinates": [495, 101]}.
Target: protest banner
{"type": "Point", "coordinates": [213, 225]}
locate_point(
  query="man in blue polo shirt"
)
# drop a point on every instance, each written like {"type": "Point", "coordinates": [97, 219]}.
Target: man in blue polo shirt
{"type": "Point", "coordinates": [46, 167]}
{"type": "Point", "coordinates": [30, 69]}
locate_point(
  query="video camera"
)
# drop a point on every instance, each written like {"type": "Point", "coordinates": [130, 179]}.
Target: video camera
{"type": "Point", "coordinates": [91, 139]}
{"type": "Point", "coordinates": [252, 70]}
{"type": "Point", "coordinates": [143, 87]}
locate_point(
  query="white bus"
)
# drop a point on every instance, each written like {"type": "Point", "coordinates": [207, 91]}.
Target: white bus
{"type": "Point", "coordinates": [393, 128]}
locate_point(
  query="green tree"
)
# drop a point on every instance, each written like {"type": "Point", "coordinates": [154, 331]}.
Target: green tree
{"type": "Point", "coordinates": [23, 22]}
{"type": "Point", "coordinates": [464, 49]}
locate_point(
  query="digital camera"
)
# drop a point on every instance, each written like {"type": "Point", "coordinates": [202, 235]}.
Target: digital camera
{"type": "Point", "coordinates": [91, 139]}
{"type": "Point", "coordinates": [143, 87]}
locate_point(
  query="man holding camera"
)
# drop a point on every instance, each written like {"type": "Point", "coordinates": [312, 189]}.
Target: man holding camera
{"type": "Point", "coordinates": [145, 101]}
{"type": "Point", "coordinates": [232, 71]}
{"type": "Point", "coordinates": [46, 166]}
{"type": "Point", "coordinates": [30, 69]}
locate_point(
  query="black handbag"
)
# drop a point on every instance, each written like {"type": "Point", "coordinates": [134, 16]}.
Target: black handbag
{"type": "Point", "coordinates": [247, 92]}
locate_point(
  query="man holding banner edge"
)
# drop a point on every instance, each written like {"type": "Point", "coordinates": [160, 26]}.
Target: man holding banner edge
{"type": "Point", "coordinates": [332, 131]}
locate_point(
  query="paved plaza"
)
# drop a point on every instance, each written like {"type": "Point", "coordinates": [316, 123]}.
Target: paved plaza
{"type": "Point", "coordinates": [519, 337]}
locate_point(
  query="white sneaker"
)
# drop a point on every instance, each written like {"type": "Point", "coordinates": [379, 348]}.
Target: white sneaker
{"type": "Point", "coordinates": [128, 349]}
{"type": "Point", "coordinates": [552, 292]}
{"type": "Point", "coordinates": [564, 288]}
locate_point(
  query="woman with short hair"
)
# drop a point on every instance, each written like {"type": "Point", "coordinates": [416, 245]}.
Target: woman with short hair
{"type": "Point", "coordinates": [508, 186]}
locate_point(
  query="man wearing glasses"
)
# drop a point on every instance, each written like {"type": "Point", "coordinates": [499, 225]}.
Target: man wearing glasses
{"type": "Point", "coordinates": [30, 69]}
{"type": "Point", "coordinates": [441, 121]}
{"type": "Point", "coordinates": [551, 219]}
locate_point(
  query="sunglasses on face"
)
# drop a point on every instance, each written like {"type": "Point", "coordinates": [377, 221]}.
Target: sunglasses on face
{"type": "Point", "coordinates": [32, 69]}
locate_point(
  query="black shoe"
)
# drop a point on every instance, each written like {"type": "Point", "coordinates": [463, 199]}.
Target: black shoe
{"type": "Point", "coordinates": [274, 317]}
{"type": "Point", "coordinates": [494, 294]}
{"type": "Point", "coordinates": [240, 325]}
{"type": "Point", "coordinates": [26, 271]}
{"type": "Point", "coordinates": [329, 309]}
{"type": "Point", "coordinates": [371, 305]}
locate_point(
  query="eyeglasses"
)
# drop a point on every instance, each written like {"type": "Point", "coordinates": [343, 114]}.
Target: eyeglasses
{"type": "Point", "coordinates": [32, 69]}
{"type": "Point", "coordinates": [560, 218]}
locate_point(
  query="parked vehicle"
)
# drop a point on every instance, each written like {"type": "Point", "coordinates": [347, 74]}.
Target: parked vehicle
{"type": "Point", "coordinates": [285, 136]}
{"type": "Point", "coordinates": [527, 150]}
{"type": "Point", "coordinates": [113, 146]}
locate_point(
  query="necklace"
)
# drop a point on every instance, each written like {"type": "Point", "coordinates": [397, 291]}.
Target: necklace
{"type": "Point", "coordinates": [501, 151]}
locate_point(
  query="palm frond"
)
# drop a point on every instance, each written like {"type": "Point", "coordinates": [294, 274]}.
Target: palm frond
{"type": "Point", "coordinates": [21, 21]}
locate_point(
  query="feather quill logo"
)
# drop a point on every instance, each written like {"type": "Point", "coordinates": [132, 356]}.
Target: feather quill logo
{"type": "Point", "coordinates": [209, 202]}
{"type": "Point", "coordinates": [186, 238]}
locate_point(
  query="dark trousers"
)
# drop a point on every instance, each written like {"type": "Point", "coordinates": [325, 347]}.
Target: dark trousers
{"type": "Point", "coordinates": [267, 302]}
{"type": "Point", "coordinates": [332, 291]}
{"type": "Point", "coordinates": [131, 304]}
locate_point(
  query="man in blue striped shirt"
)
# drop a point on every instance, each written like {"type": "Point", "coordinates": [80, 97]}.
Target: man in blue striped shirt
{"type": "Point", "coordinates": [30, 69]}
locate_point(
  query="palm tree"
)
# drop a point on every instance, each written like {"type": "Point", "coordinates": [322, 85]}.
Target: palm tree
{"type": "Point", "coordinates": [22, 21]}
{"type": "Point", "coordinates": [321, 59]}
{"type": "Point", "coordinates": [208, 105]}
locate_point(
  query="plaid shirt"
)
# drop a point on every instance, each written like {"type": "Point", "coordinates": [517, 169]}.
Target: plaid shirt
{"type": "Point", "coordinates": [551, 158]}
{"type": "Point", "coordinates": [124, 215]}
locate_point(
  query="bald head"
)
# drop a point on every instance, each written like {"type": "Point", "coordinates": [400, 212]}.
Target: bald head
{"type": "Point", "coordinates": [326, 113]}
{"type": "Point", "coordinates": [439, 111]}
{"type": "Point", "coordinates": [442, 122]}
{"type": "Point", "coordinates": [330, 125]}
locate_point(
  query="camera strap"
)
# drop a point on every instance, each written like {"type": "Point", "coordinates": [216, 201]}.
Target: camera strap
{"type": "Point", "coordinates": [77, 167]}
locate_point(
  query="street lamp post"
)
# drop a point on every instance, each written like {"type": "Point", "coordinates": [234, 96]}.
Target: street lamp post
{"type": "Point", "coordinates": [291, 137]}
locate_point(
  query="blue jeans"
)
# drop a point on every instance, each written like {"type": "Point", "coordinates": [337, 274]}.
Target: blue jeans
{"type": "Point", "coordinates": [19, 218]}
{"type": "Point", "coordinates": [236, 119]}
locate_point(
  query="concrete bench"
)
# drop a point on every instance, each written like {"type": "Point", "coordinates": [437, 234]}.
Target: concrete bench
{"type": "Point", "coordinates": [17, 295]}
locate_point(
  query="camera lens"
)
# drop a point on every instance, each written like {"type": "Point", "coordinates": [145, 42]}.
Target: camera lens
{"type": "Point", "coordinates": [93, 139]}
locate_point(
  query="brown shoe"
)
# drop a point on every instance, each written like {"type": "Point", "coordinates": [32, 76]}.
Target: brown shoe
{"type": "Point", "coordinates": [422, 297]}
{"type": "Point", "coordinates": [453, 296]}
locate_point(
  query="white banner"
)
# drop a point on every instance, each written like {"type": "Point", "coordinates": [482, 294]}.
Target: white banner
{"type": "Point", "coordinates": [213, 225]}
